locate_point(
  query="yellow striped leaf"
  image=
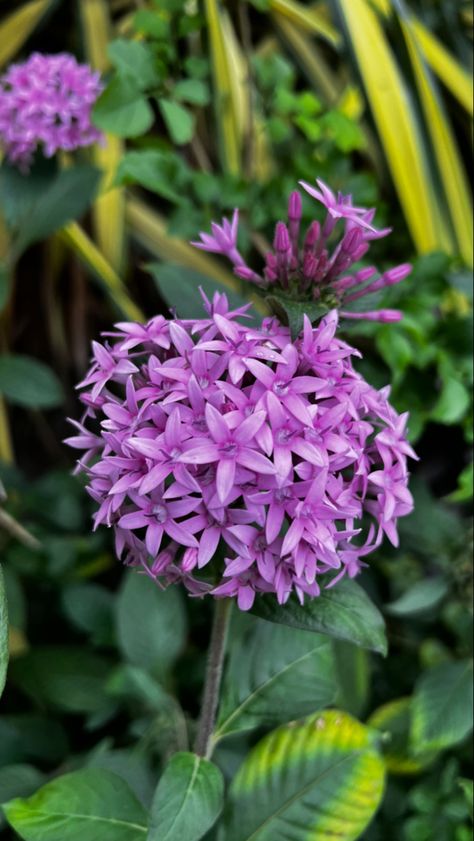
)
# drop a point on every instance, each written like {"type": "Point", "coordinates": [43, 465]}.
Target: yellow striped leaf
{"type": "Point", "coordinates": [393, 720]}
{"type": "Point", "coordinates": [229, 86]}
{"type": "Point", "coordinates": [15, 29]}
{"type": "Point", "coordinates": [108, 213]}
{"type": "Point", "coordinates": [456, 78]}
{"type": "Point", "coordinates": [309, 57]}
{"type": "Point", "coordinates": [76, 238]}
{"type": "Point", "coordinates": [397, 126]}
{"type": "Point", "coordinates": [314, 780]}
{"type": "Point", "coordinates": [6, 446]}
{"type": "Point", "coordinates": [150, 230]}
{"type": "Point", "coordinates": [451, 170]}
{"type": "Point", "coordinates": [310, 20]}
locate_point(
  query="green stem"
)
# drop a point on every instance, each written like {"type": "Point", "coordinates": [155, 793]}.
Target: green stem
{"type": "Point", "coordinates": [215, 663]}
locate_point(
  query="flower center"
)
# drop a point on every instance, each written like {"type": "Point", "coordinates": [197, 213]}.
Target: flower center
{"type": "Point", "coordinates": [283, 436]}
{"type": "Point", "coordinates": [228, 450]}
{"type": "Point", "coordinates": [281, 388]}
{"type": "Point", "coordinates": [160, 513]}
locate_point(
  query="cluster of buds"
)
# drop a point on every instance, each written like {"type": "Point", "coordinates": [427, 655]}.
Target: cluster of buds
{"type": "Point", "coordinates": [234, 460]}
{"type": "Point", "coordinates": [313, 269]}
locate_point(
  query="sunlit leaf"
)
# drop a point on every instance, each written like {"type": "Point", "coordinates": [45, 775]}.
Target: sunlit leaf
{"type": "Point", "coordinates": [15, 29]}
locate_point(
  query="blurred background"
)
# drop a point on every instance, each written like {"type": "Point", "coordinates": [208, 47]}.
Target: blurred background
{"type": "Point", "coordinates": [232, 104]}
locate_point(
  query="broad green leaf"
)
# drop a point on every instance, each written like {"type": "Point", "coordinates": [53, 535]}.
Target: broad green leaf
{"type": "Point", "coordinates": [122, 110]}
{"type": "Point", "coordinates": [442, 706]}
{"type": "Point", "coordinates": [67, 678]}
{"type": "Point", "coordinates": [394, 722]}
{"type": "Point", "coordinates": [131, 764]}
{"type": "Point", "coordinates": [463, 492]}
{"type": "Point", "coordinates": [18, 781]}
{"type": "Point", "coordinates": [27, 382]}
{"type": "Point", "coordinates": [44, 201]}
{"type": "Point", "coordinates": [453, 402]}
{"type": "Point", "coordinates": [391, 105]}
{"type": "Point", "coordinates": [134, 61]}
{"type": "Point", "coordinates": [275, 674]}
{"type": "Point", "coordinates": [180, 289]}
{"type": "Point", "coordinates": [152, 169]}
{"type": "Point", "coordinates": [188, 799]}
{"type": "Point", "coordinates": [178, 120]}
{"type": "Point", "coordinates": [194, 91]}
{"type": "Point", "coordinates": [90, 608]}
{"type": "Point", "coordinates": [424, 595]}
{"type": "Point", "coordinates": [352, 675]}
{"type": "Point", "coordinates": [344, 612]}
{"type": "Point", "coordinates": [468, 788]}
{"type": "Point", "coordinates": [91, 804]}
{"type": "Point", "coordinates": [313, 780]}
{"type": "Point", "coordinates": [15, 29]}
{"type": "Point", "coordinates": [292, 312]}
{"type": "Point", "coordinates": [151, 623]}
{"type": "Point", "coordinates": [3, 634]}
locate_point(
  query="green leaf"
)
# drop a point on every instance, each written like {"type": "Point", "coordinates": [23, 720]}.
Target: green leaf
{"type": "Point", "coordinates": [90, 608]}
{"type": "Point", "coordinates": [394, 722]}
{"type": "Point", "coordinates": [178, 120]}
{"type": "Point", "coordinates": [121, 110]}
{"type": "Point", "coordinates": [134, 61]}
{"type": "Point", "coordinates": [352, 668]}
{"type": "Point", "coordinates": [463, 492]}
{"type": "Point", "coordinates": [46, 203]}
{"type": "Point", "coordinates": [152, 169]}
{"type": "Point", "coordinates": [18, 781]}
{"type": "Point", "coordinates": [424, 595]}
{"type": "Point", "coordinates": [344, 612]}
{"type": "Point", "coordinates": [291, 312]}
{"type": "Point", "coordinates": [188, 799]}
{"type": "Point", "coordinates": [317, 779]}
{"type": "Point", "coordinates": [3, 634]}
{"type": "Point", "coordinates": [91, 804]}
{"type": "Point", "coordinates": [27, 382]}
{"type": "Point", "coordinates": [67, 678]}
{"type": "Point", "coordinates": [442, 706]}
{"type": "Point", "coordinates": [468, 788]}
{"type": "Point", "coordinates": [453, 403]}
{"type": "Point", "coordinates": [151, 623]}
{"type": "Point", "coordinates": [194, 91]}
{"type": "Point", "coordinates": [179, 287]}
{"type": "Point", "coordinates": [31, 737]}
{"type": "Point", "coordinates": [275, 674]}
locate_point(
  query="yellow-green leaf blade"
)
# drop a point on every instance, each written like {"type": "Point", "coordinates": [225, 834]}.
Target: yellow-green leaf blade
{"type": "Point", "coordinates": [397, 126]}
{"type": "Point", "coordinates": [15, 29]}
{"type": "Point", "coordinates": [310, 20]}
{"type": "Point", "coordinates": [453, 75]}
{"type": "Point", "coordinates": [315, 780]}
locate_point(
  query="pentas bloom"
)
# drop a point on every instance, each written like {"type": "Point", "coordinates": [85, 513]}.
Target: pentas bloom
{"type": "Point", "coordinates": [46, 103]}
{"type": "Point", "coordinates": [236, 461]}
{"type": "Point", "coordinates": [319, 266]}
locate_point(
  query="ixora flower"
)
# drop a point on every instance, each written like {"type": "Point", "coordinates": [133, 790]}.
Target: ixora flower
{"type": "Point", "coordinates": [46, 103]}
{"type": "Point", "coordinates": [321, 268]}
{"type": "Point", "coordinates": [237, 461]}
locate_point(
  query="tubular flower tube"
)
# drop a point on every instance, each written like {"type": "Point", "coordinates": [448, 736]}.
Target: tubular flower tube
{"type": "Point", "coordinates": [231, 459]}
{"type": "Point", "coordinates": [46, 103]}
{"type": "Point", "coordinates": [317, 271]}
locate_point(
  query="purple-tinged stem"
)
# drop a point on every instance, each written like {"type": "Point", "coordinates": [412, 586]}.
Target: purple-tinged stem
{"type": "Point", "coordinates": [212, 684]}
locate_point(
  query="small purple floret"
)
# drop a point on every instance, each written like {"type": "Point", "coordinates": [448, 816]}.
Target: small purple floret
{"type": "Point", "coordinates": [236, 461]}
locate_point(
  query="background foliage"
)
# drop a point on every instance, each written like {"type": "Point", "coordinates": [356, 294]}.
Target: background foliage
{"type": "Point", "coordinates": [209, 106]}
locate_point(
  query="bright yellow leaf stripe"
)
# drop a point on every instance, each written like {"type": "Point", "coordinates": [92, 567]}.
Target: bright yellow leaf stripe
{"type": "Point", "coordinates": [309, 19]}
{"type": "Point", "coordinates": [449, 162]}
{"type": "Point", "coordinates": [397, 126]}
{"type": "Point", "coordinates": [453, 75]}
{"type": "Point", "coordinates": [15, 29]}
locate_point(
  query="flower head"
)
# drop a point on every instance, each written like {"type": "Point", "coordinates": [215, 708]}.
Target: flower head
{"type": "Point", "coordinates": [239, 462]}
{"type": "Point", "coordinates": [46, 103]}
{"type": "Point", "coordinates": [320, 268]}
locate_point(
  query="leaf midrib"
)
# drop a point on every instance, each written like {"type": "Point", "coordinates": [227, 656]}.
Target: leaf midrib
{"type": "Point", "coordinates": [220, 732]}
{"type": "Point", "coordinates": [197, 762]}
{"type": "Point", "coordinates": [97, 818]}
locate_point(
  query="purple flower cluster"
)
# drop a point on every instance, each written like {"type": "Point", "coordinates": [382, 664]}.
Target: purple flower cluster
{"type": "Point", "coordinates": [46, 102]}
{"type": "Point", "coordinates": [315, 270]}
{"type": "Point", "coordinates": [239, 462]}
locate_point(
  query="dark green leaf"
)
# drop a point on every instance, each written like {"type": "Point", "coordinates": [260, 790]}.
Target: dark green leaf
{"type": "Point", "coordinates": [352, 676]}
{"type": "Point", "coordinates": [134, 61]}
{"type": "Point", "coordinates": [31, 737]}
{"type": "Point", "coordinates": [442, 706]}
{"type": "Point", "coordinates": [91, 804]}
{"type": "Point", "coordinates": [70, 679]}
{"type": "Point", "coordinates": [344, 612]}
{"type": "Point", "coordinates": [292, 312]}
{"type": "Point", "coordinates": [317, 779]}
{"type": "Point", "coordinates": [275, 674]}
{"type": "Point", "coordinates": [151, 623]}
{"type": "Point", "coordinates": [424, 595]}
{"type": "Point", "coordinates": [90, 608]}
{"type": "Point", "coordinates": [122, 110]}
{"type": "Point", "coordinates": [3, 634]}
{"type": "Point", "coordinates": [178, 120]}
{"type": "Point", "coordinates": [180, 289]}
{"type": "Point", "coordinates": [152, 169]}
{"type": "Point", "coordinates": [5, 285]}
{"type": "Point", "coordinates": [188, 799]}
{"type": "Point", "coordinates": [28, 382]}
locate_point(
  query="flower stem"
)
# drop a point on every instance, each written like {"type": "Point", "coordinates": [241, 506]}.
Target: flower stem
{"type": "Point", "coordinates": [215, 662]}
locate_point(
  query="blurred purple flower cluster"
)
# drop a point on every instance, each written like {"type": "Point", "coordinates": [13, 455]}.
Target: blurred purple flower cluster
{"type": "Point", "coordinates": [46, 102]}
{"type": "Point", "coordinates": [317, 271]}
{"type": "Point", "coordinates": [229, 458]}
